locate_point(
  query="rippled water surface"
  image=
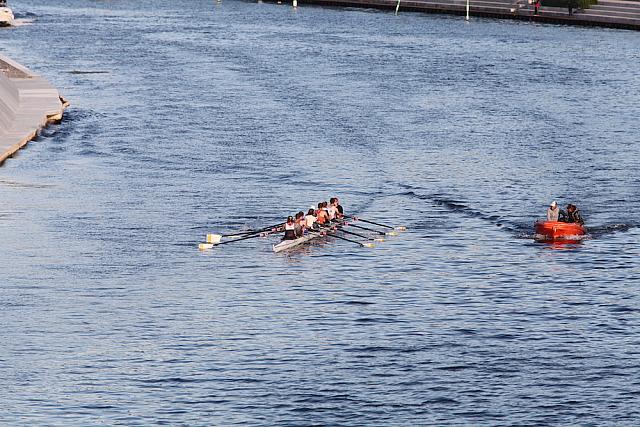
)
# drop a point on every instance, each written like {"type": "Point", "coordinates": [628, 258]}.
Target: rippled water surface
{"type": "Point", "coordinates": [196, 117]}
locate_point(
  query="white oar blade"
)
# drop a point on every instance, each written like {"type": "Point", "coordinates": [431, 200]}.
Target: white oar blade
{"type": "Point", "coordinates": [392, 233]}
{"type": "Point", "coordinates": [205, 246]}
{"type": "Point", "coordinates": [214, 238]}
{"type": "Point", "coordinates": [378, 240]}
{"type": "Point", "coordinates": [401, 228]}
{"type": "Point", "coordinates": [368, 245]}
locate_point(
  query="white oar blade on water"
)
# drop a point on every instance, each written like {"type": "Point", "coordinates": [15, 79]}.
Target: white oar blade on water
{"type": "Point", "coordinates": [214, 238]}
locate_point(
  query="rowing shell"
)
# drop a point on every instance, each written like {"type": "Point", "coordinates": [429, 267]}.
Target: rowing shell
{"type": "Point", "coordinates": [288, 244]}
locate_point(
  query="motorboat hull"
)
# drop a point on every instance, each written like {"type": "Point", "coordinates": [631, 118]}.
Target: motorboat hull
{"type": "Point", "coordinates": [559, 231]}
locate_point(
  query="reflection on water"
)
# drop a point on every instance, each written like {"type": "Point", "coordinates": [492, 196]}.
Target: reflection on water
{"type": "Point", "coordinates": [565, 244]}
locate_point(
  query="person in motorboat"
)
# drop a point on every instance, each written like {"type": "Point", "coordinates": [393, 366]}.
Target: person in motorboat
{"type": "Point", "coordinates": [289, 229]}
{"type": "Point", "coordinates": [573, 215]}
{"type": "Point", "coordinates": [553, 212]}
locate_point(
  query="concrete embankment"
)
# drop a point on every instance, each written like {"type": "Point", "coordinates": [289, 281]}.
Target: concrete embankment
{"type": "Point", "coordinates": [27, 104]}
{"type": "Point", "coordinates": [607, 13]}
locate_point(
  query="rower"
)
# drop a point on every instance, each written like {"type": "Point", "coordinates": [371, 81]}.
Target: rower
{"type": "Point", "coordinates": [335, 210]}
{"type": "Point", "coordinates": [299, 224]}
{"type": "Point", "coordinates": [325, 209]}
{"type": "Point", "coordinates": [321, 214]}
{"type": "Point", "coordinates": [289, 229]}
{"type": "Point", "coordinates": [339, 207]}
{"type": "Point", "coordinates": [310, 219]}
{"type": "Point", "coordinates": [331, 209]}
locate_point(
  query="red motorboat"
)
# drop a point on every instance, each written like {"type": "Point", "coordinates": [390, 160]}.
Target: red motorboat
{"type": "Point", "coordinates": [556, 230]}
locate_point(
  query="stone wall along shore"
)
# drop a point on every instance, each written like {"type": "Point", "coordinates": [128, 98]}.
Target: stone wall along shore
{"type": "Point", "coordinates": [27, 104]}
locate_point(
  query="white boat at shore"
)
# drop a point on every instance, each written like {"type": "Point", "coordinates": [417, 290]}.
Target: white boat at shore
{"type": "Point", "coordinates": [6, 15]}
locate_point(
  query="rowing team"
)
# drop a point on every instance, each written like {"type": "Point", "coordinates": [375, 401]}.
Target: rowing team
{"type": "Point", "coordinates": [314, 219]}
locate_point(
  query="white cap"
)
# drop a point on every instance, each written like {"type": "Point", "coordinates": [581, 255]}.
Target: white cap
{"type": "Point", "coordinates": [554, 204]}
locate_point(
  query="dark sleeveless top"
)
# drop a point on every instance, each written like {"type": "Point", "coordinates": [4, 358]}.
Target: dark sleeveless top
{"type": "Point", "coordinates": [289, 233]}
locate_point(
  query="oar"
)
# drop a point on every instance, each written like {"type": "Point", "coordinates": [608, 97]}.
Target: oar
{"type": "Point", "coordinates": [328, 227]}
{"type": "Point", "coordinates": [376, 239]}
{"type": "Point", "coordinates": [203, 246]}
{"type": "Point", "coordinates": [215, 238]}
{"type": "Point", "coordinates": [364, 245]}
{"type": "Point", "coordinates": [400, 228]}
{"type": "Point", "coordinates": [260, 230]}
{"type": "Point", "coordinates": [268, 228]}
{"type": "Point", "coordinates": [384, 233]}
{"type": "Point", "coordinates": [318, 232]}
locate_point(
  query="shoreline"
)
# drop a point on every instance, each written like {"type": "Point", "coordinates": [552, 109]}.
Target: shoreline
{"type": "Point", "coordinates": [618, 14]}
{"type": "Point", "coordinates": [28, 103]}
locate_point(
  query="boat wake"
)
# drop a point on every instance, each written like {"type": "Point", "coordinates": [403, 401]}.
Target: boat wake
{"type": "Point", "coordinates": [22, 22]}
{"type": "Point", "coordinates": [461, 208]}
{"type": "Point", "coordinates": [521, 230]}
{"type": "Point", "coordinates": [606, 229]}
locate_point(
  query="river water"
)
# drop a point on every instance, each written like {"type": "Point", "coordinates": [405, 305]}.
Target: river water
{"type": "Point", "coordinates": [195, 117]}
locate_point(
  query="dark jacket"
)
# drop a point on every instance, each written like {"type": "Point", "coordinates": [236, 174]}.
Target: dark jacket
{"type": "Point", "coordinates": [562, 216]}
{"type": "Point", "coordinates": [575, 217]}
{"type": "Point", "coordinates": [572, 217]}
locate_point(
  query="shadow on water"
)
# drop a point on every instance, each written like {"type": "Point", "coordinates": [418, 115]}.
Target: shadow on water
{"type": "Point", "coordinates": [64, 127]}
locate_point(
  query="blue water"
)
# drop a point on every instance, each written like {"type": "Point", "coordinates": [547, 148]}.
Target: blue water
{"type": "Point", "coordinates": [193, 117]}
